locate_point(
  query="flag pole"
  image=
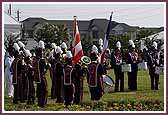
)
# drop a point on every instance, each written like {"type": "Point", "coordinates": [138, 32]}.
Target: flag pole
{"type": "Point", "coordinates": [75, 17]}
{"type": "Point", "coordinates": [112, 13]}
{"type": "Point", "coordinates": [74, 32]}
{"type": "Point", "coordinates": [105, 44]}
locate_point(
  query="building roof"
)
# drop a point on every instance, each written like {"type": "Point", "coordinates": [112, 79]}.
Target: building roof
{"type": "Point", "coordinates": [10, 20]}
{"type": "Point", "coordinates": [34, 19]}
{"type": "Point", "coordinates": [31, 22]}
{"type": "Point", "coordinates": [11, 25]}
{"type": "Point", "coordinates": [83, 25]}
{"type": "Point", "coordinates": [125, 27]}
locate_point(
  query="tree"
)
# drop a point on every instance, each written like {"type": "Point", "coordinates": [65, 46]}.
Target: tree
{"type": "Point", "coordinates": [143, 34]}
{"type": "Point", "coordinates": [11, 38]}
{"type": "Point", "coordinates": [52, 33]}
{"type": "Point", "coordinates": [122, 38]}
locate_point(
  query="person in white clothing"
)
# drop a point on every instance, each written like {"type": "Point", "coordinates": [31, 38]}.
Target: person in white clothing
{"type": "Point", "coordinates": [8, 76]}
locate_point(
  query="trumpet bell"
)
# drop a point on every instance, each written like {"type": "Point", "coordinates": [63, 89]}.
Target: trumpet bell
{"type": "Point", "coordinates": [86, 60]}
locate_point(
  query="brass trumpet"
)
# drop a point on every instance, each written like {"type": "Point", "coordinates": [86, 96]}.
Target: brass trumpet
{"type": "Point", "coordinates": [85, 61]}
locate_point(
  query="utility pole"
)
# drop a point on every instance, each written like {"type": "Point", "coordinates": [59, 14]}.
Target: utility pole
{"type": "Point", "coordinates": [10, 9]}
{"type": "Point", "coordinates": [18, 15]}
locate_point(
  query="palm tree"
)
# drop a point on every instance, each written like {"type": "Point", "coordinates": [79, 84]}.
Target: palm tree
{"type": "Point", "coordinates": [10, 39]}
{"type": "Point", "coordinates": [52, 33]}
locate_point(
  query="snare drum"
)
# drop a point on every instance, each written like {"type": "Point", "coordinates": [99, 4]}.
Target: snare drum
{"type": "Point", "coordinates": [108, 82]}
{"type": "Point", "coordinates": [126, 68]}
{"type": "Point", "coordinates": [159, 70]}
{"type": "Point", "coordinates": [142, 66]}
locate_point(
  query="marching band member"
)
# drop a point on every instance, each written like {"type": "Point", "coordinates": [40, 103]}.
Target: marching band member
{"type": "Point", "coordinates": [82, 72]}
{"type": "Point", "coordinates": [64, 49]}
{"type": "Point", "coordinates": [8, 61]}
{"type": "Point", "coordinates": [94, 48]}
{"type": "Point", "coordinates": [153, 61]}
{"type": "Point", "coordinates": [100, 48]}
{"type": "Point", "coordinates": [77, 83]}
{"type": "Point", "coordinates": [58, 76]}
{"type": "Point", "coordinates": [95, 79]}
{"type": "Point", "coordinates": [21, 45]}
{"type": "Point", "coordinates": [17, 71]}
{"type": "Point", "coordinates": [40, 68]}
{"type": "Point", "coordinates": [116, 62]}
{"type": "Point", "coordinates": [69, 75]}
{"type": "Point", "coordinates": [25, 79]}
{"type": "Point", "coordinates": [51, 69]}
{"type": "Point", "coordinates": [29, 74]}
{"type": "Point", "coordinates": [133, 60]}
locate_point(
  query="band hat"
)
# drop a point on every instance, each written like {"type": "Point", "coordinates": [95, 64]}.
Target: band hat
{"type": "Point", "coordinates": [16, 47]}
{"type": "Point", "coordinates": [101, 48]}
{"type": "Point", "coordinates": [68, 54]}
{"type": "Point", "coordinates": [63, 45]}
{"type": "Point", "coordinates": [133, 45]}
{"type": "Point", "coordinates": [155, 45]}
{"type": "Point", "coordinates": [53, 45]}
{"type": "Point", "coordinates": [51, 54]}
{"type": "Point", "coordinates": [118, 44]}
{"type": "Point", "coordinates": [41, 44]}
{"type": "Point", "coordinates": [59, 50]}
{"type": "Point", "coordinates": [21, 44]}
{"type": "Point", "coordinates": [27, 53]}
{"type": "Point", "coordinates": [94, 49]}
{"type": "Point", "coordinates": [131, 42]}
{"type": "Point", "coordinates": [100, 42]}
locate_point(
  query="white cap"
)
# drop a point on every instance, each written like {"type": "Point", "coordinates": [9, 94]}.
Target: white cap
{"type": "Point", "coordinates": [51, 54]}
{"type": "Point", "coordinates": [59, 50]}
{"type": "Point", "coordinates": [101, 48]}
{"type": "Point", "coordinates": [118, 44]}
{"type": "Point", "coordinates": [108, 50]}
{"type": "Point", "coordinates": [16, 46]}
{"type": "Point", "coordinates": [63, 45]}
{"type": "Point", "coordinates": [21, 44]}
{"type": "Point", "coordinates": [53, 45]}
{"type": "Point", "coordinates": [41, 44]}
{"type": "Point", "coordinates": [68, 54]}
{"type": "Point", "coordinates": [94, 49]}
{"type": "Point", "coordinates": [100, 42]}
{"type": "Point", "coordinates": [27, 52]}
{"type": "Point", "coordinates": [154, 45]}
{"type": "Point", "coordinates": [131, 43]}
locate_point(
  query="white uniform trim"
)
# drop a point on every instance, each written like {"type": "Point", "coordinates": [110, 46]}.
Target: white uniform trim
{"type": "Point", "coordinates": [70, 76]}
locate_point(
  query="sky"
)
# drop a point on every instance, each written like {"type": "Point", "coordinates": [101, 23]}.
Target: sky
{"type": "Point", "coordinates": [134, 14]}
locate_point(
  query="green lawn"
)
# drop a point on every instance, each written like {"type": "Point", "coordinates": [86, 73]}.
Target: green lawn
{"type": "Point", "coordinates": [144, 99]}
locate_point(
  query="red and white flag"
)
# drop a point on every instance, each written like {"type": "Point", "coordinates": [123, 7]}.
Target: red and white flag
{"type": "Point", "coordinates": [77, 50]}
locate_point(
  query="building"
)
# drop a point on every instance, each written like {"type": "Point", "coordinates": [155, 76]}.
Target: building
{"type": "Point", "coordinates": [93, 29]}
{"type": "Point", "coordinates": [12, 30]}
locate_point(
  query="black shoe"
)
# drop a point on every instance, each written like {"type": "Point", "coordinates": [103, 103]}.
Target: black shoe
{"type": "Point", "coordinates": [41, 105]}
{"type": "Point", "coordinates": [15, 102]}
{"type": "Point", "coordinates": [33, 102]}
{"type": "Point", "coordinates": [28, 102]}
{"type": "Point", "coordinates": [156, 88]}
{"type": "Point", "coordinates": [22, 101]}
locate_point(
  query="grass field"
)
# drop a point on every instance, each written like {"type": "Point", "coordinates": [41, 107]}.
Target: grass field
{"type": "Point", "coordinates": [144, 99]}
